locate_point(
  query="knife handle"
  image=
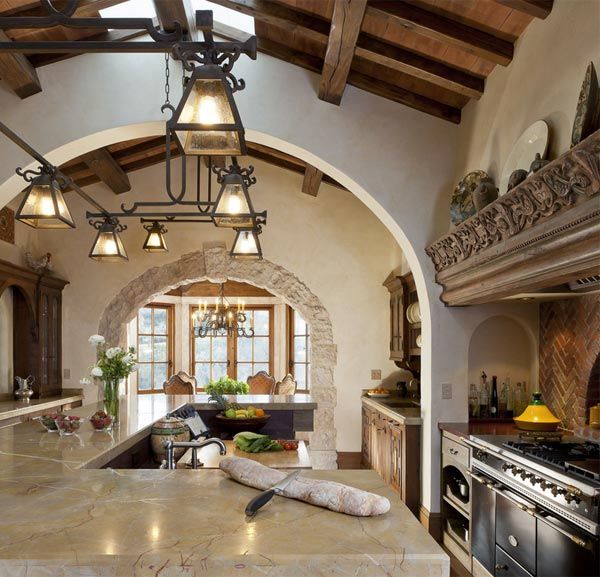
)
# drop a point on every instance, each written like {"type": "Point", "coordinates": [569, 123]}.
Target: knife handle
{"type": "Point", "coordinates": [259, 501]}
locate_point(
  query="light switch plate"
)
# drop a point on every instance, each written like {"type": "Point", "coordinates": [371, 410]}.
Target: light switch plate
{"type": "Point", "coordinates": [446, 390]}
{"type": "Point", "coordinates": [375, 374]}
{"type": "Point", "coordinates": [66, 374]}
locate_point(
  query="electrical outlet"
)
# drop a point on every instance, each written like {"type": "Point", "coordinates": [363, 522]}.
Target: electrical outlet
{"type": "Point", "coordinates": [375, 374]}
{"type": "Point", "coordinates": [446, 390]}
{"type": "Point", "coordinates": [66, 374]}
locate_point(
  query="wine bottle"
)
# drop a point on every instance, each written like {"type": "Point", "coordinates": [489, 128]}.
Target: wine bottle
{"type": "Point", "coordinates": [494, 398]}
{"type": "Point", "coordinates": [484, 398]}
{"type": "Point", "coordinates": [473, 402]}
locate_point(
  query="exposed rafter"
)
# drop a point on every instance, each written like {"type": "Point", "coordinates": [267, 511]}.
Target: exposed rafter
{"type": "Point", "coordinates": [535, 8]}
{"type": "Point", "coordinates": [444, 29]}
{"type": "Point", "coordinates": [18, 73]}
{"type": "Point", "coordinates": [102, 163]}
{"type": "Point", "coordinates": [345, 28]}
{"type": "Point", "coordinates": [171, 11]}
{"type": "Point", "coordinates": [312, 180]}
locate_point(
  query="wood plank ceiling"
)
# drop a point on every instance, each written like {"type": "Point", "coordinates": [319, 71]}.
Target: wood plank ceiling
{"type": "Point", "coordinates": [430, 55]}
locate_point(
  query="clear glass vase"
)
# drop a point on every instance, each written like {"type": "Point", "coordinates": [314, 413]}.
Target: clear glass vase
{"type": "Point", "coordinates": [111, 399]}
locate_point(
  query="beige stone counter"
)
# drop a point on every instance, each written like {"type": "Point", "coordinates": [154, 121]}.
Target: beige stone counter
{"type": "Point", "coordinates": [185, 523]}
{"type": "Point", "coordinates": [9, 409]}
{"type": "Point", "coordinates": [405, 415]}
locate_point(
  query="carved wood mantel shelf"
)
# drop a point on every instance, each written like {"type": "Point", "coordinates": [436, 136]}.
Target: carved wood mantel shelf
{"type": "Point", "coordinates": [544, 232]}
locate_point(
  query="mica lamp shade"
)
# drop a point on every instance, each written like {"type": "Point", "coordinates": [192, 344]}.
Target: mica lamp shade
{"type": "Point", "coordinates": [207, 121]}
{"type": "Point", "coordinates": [44, 206]}
{"type": "Point", "coordinates": [155, 241]}
{"type": "Point", "coordinates": [108, 245]}
{"type": "Point", "coordinates": [537, 416]}
{"type": "Point", "coordinates": [233, 208]}
{"type": "Point", "coordinates": [246, 245]}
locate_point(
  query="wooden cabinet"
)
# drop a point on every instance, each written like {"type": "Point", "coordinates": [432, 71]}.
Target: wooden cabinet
{"type": "Point", "coordinates": [393, 450]}
{"type": "Point", "coordinates": [37, 326]}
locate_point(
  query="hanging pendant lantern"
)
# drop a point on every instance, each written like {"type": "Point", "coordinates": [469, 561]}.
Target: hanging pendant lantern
{"type": "Point", "coordinates": [108, 245]}
{"type": "Point", "coordinates": [155, 241]}
{"type": "Point", "coordinates": [43, 205]}
{"type": "Point", "coordinates": [246, 245]}
{"type": "Point", "coordinates": [207, 121]}
{"type": "Point", "coordinates": [233, 207]}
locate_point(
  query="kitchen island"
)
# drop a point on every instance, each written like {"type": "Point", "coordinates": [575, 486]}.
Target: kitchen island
{"type": "Point", "coordinates": [61, 518]}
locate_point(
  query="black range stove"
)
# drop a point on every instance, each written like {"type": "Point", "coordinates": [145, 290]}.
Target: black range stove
{"type": "Point", "coordinates": [579, 458]}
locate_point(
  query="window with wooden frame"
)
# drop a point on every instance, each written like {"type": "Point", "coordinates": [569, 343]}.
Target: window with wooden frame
{"type": "Point", "coordinates": [299, 350]}
{"type": "Point", "coordinates": [235, 357]}
{"type": "Point", "coordinates": [155, 340]}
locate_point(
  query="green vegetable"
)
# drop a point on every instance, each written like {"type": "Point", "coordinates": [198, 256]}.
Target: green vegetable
{"type": "Point", "coordinates": [230, 413]}
{"type": "Point", "coordinates": [227, 386]}
{"type": "Point", "coordinates": [255, 443]}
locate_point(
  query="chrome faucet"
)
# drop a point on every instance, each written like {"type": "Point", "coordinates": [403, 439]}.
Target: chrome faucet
{"type": "Point", "coordinates": [170, 447]}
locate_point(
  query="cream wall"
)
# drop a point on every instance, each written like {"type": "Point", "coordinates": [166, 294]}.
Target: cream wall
{"type": "Point", "coordinates": [6, 342]}
{"type": "Point", "coordinates": [342, 260]}
{"type": "Point", "coordinates": [542, 83]}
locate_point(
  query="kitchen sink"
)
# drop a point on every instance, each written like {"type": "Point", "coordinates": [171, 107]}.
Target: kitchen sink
{"type": "Point", "coordinates": [404, 403]}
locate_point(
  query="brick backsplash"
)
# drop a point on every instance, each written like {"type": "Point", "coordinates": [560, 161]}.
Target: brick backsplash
{"type": "Point", "coordinates": [569, 349]}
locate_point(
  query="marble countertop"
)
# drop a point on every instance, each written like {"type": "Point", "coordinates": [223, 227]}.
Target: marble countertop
{"type": "Point", "coordinates": [13, 408]}
{"type": "Point", "coordinates": [183, 523]}
{"type": "Point", "coordinates": [60, 517]}
{"type": "Point", "coordinates": [404, 415]}
{"type": "Point", "coordinates": [271, 402]}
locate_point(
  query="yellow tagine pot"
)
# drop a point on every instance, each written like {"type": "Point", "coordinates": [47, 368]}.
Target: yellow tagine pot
{"type": "Point", "coordinates": [537, 416]}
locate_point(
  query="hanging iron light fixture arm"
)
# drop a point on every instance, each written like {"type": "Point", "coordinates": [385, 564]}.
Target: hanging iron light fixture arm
{"type": "Point", "coordinates": [64, 180]}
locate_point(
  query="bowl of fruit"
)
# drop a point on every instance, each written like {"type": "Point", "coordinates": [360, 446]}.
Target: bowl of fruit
{"type": "Point", "coordinates": [378, 393]}
{"type": "Point", "coordinates": [67, 425]}
{"type": "Point", "coordinates": [233, 417]}
{"type": "Point", "coordinates": [101, 421]}
{"type": "Point", "coordinates": [49, 421]}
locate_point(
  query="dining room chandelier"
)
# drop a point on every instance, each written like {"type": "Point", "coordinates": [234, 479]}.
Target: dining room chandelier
{"type": "Point", "coordinates": [221, 319]}
{"type": "Point", "coordinates": [205, 124]}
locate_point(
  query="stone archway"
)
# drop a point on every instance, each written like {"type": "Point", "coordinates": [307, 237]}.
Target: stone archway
{"type": "Point", "coordinates": [214, 264]}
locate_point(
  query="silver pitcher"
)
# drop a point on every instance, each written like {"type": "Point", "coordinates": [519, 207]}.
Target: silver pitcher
{"type": "Point", "coordinates": [24, 392]}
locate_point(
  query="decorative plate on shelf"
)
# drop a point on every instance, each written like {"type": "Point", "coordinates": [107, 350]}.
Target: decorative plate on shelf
{"type": "Point", "coordinates": [587, 116]}
{"type": "Point", "coordinates": [461, 206]}
{"type": "Point", "coordinates": [533, 141]}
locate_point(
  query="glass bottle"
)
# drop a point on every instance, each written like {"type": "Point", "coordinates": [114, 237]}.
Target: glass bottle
{"type": "Point", "coordinates": [484, 398]}
{"type": "Point", "coordinates": [473, 402]}
{"type": "Point", "coordinates": [502, 401]}
{"type": "Point", "coordinates": [494, 398]}
{"type": "Point", "coordinates": [510, 402]}
{"type": "Point", "coordinates": [518, 400]}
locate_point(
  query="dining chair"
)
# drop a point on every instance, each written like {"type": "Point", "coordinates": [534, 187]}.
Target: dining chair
{"type": "Point", "coordinates": [180, 384]}
{"type": "Point", "coordinates": [261, 384]}
{"type": "Point", "coordinates": [287, 386]}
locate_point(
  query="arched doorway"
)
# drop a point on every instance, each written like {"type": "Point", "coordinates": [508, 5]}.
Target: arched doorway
{"type": "Point", "coordinates": [215, 264]}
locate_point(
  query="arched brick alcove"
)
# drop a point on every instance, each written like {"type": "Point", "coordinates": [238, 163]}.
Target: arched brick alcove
{"type": "Point", "coordinates": [215, 264]}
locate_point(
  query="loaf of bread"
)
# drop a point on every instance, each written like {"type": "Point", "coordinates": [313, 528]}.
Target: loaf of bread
{"type": "Point", "coordinates": [328, 494]}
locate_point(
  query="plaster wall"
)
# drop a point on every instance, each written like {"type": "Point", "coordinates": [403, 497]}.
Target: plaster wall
{"type": "Point", "coordinates": [343, 261]}
{"type": "Point", "coordinates": [400, 163]}
{"type": "Point", "coordinates": [6, 342]}
{"type": "Point", "coordinates": [541, 83]}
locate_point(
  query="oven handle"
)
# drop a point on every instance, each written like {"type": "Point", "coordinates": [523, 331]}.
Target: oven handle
{"type": "Point", "coordinates": [531, 510]}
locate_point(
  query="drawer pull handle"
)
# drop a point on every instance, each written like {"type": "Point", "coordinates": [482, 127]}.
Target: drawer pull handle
{"type": "Point", "coordinates": [500, 567]}
{"type": "Point", "coordinates": [513, 541]}
{"type": "Point", "coordinates": [453, 451]}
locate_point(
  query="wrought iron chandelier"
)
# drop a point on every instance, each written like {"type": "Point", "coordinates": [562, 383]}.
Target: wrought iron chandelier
{"type": "Point", "coordinates": [206, 122]}
{"type": "Point", "coordinates": [222, 319]}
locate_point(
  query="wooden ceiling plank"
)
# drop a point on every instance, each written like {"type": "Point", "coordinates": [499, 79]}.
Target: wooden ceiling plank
{"type": "Point", "coordinates": [369, 48]}
{"type": "Point", "coordinates": [108, 170]}
{"type": "Point", "coordinates": [345, 28]}
{"type": "Point", "coordinates": [18, 73]}
{"type": "Point", "coordinates": [536, 8]}
{"type": "Point", "coordinates": [444, 29]}
{"type": "Point", "coordinates": [312, 180]}
{"type": "Point", "coordinates": [171, 11]}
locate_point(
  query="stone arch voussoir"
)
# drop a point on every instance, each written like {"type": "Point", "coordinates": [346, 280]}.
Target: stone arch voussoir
{"type": "Point", "coordinates": [215, 264]}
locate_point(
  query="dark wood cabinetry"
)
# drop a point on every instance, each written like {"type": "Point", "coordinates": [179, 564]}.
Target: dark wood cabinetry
{"type": "Point", "coordinates": [393, 450]}
{"type": "Point", "coordinates": [37, 326]}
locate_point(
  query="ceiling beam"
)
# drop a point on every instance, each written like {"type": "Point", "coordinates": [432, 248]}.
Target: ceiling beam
{"type": "Point", "coordinates": [102, 163]}
{"type": "Point", "coordinates": [18, 73]}
{"type": "Point", "coordinates": [312, 180]}
{"type": "Point", "coordinates": [345, 27]}
{"type": "Point", "coordinates": [536, 8]}
{"type": "Point", "coordinates": [369, 49]}
{"type": "Point", "coordinates": [443, 29]}
{"type": "Point", "coordinates": [171, 11]}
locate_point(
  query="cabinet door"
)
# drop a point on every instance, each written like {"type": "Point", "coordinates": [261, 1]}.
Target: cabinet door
{"type": "Point", "coordinates": [483, 520]}
{"type": "Point", "coordinates": [560, 556]}
{"type": "Point", "coordinates": [396, 444]}
{"type": "Point", "coordinates": [506, 566]}
{"type": "Point", "coordinates": [366, 437]}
